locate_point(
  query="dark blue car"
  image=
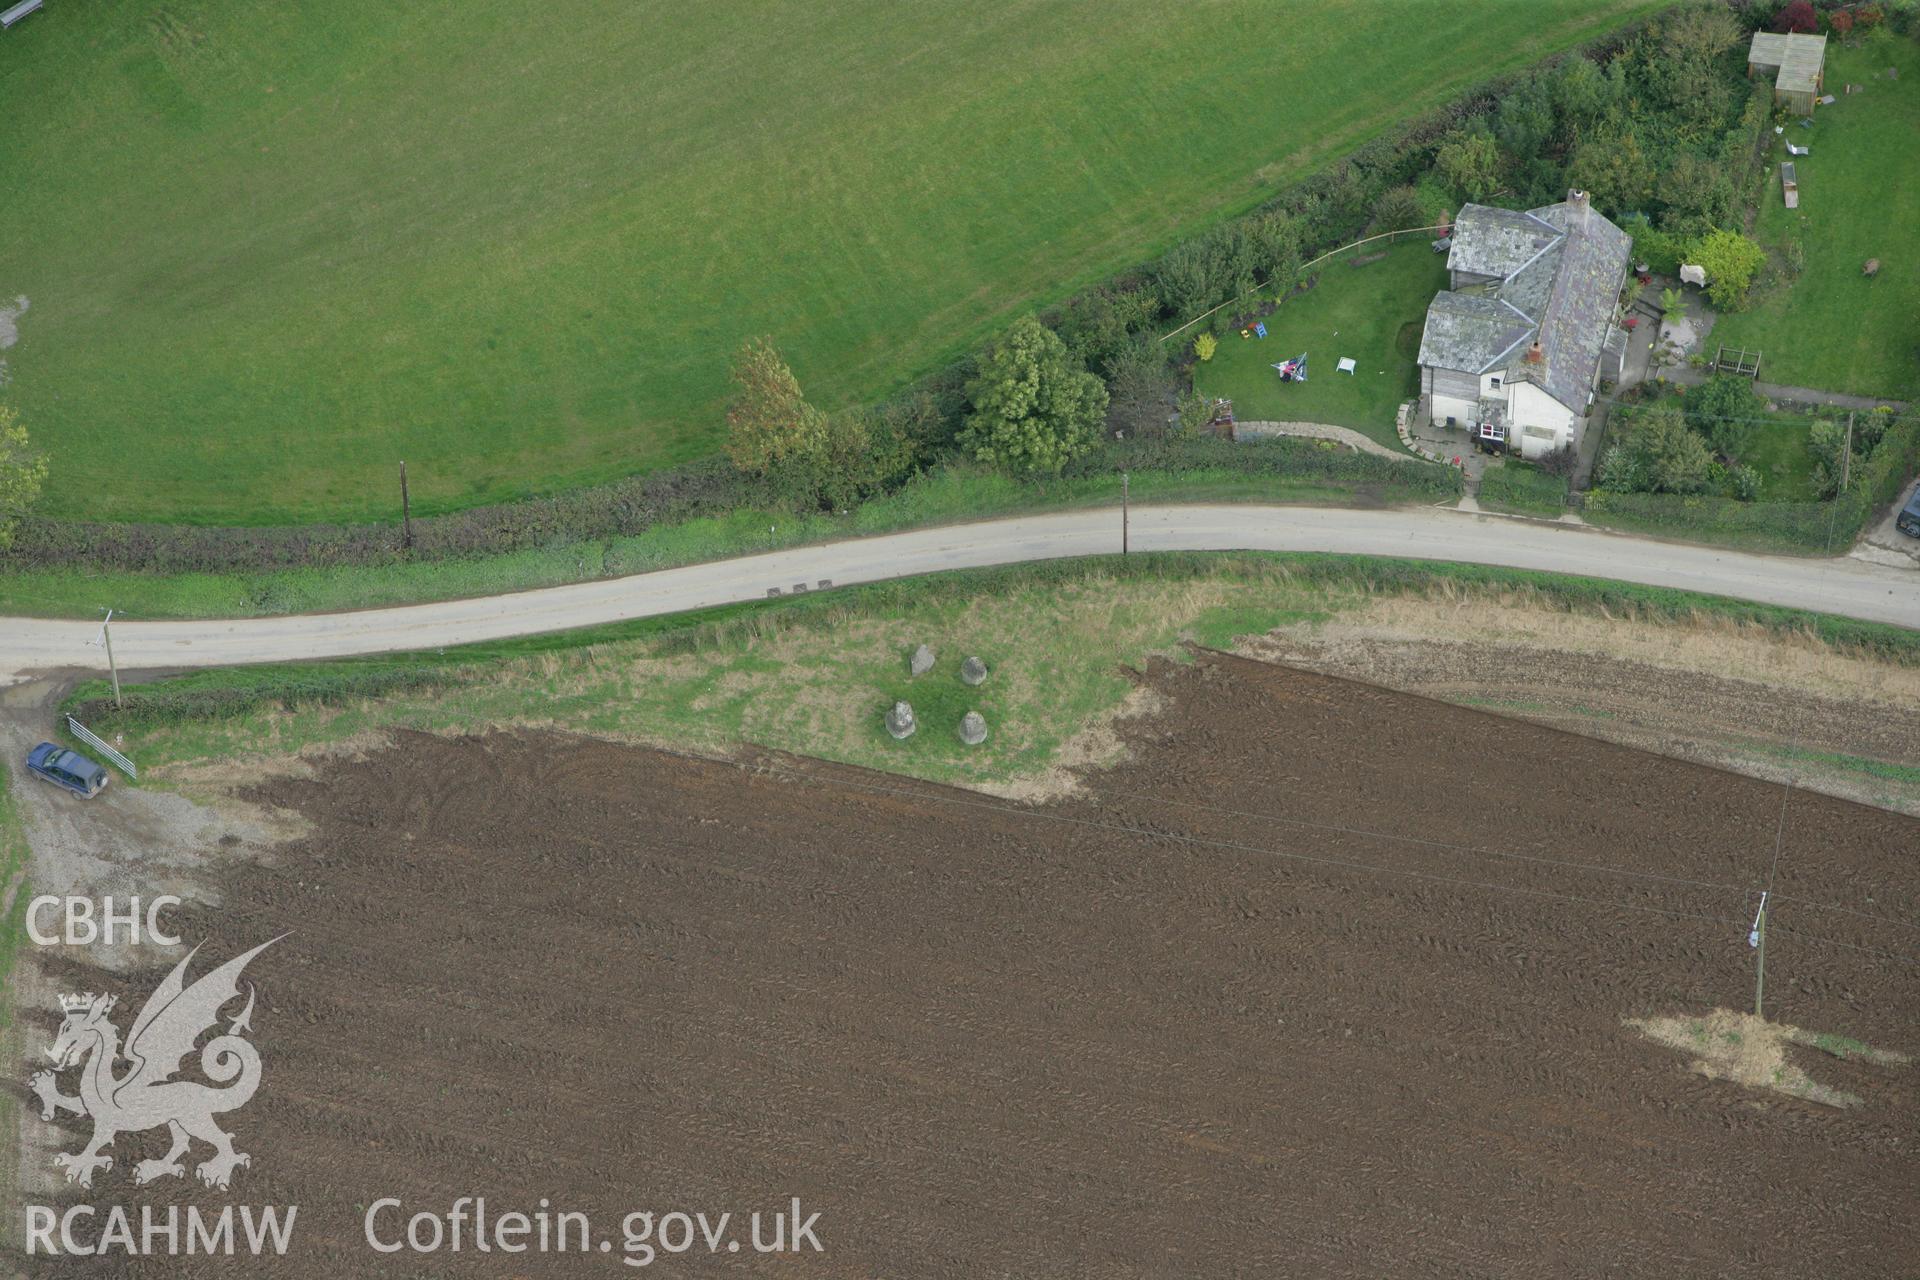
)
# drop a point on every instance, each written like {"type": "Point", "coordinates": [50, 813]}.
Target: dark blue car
{"type": "Point", "coordinates": [1908, 521]}
{"type": "Point", "coordinates": [67, 769]}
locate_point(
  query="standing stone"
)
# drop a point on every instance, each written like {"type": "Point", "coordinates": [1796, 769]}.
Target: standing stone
{"type": "Point", "coordinates": [921, 662]}
{"type": "Point", "coordinates": [973, 728]}
{"type": "Point", "coordinates": [900, 722]}
{"type": "Point", "coordinates": [973, 671]}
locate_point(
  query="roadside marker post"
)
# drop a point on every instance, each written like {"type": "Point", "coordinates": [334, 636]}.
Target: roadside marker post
{"type": "Point", "coordinates": [1123, 513]}
{"type": "Point", "coordinates": [1757, 939]}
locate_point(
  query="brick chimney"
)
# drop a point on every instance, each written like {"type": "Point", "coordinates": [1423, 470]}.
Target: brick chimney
{"type": "Point", "coordinates": [1535, 353]}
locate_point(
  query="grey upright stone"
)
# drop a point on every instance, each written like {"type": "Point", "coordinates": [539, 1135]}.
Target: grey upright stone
{"type": "Point", "coordinates": [973, 671]}
{"type": "Point", "coordinates": [900, 722]}
{"type": "Point", "coordinates": [921, 662]}
{"type": "Point", "coordinates": [973, 728]}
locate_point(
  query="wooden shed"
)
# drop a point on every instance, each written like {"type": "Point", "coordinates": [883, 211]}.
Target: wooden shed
{"type": "Point", "coordinates": [1796, 64]}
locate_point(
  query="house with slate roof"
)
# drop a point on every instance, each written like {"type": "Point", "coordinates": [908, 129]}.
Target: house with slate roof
{"type": "Point", "coordinates": [1514, 348]}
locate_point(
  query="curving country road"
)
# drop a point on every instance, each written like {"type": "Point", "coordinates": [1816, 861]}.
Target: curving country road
{"type": "Point", "coordinates": [1845, 586]}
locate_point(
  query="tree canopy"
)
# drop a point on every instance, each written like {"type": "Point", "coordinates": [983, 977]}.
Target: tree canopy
{"type": "Point", "coordinates": [1035, 408]}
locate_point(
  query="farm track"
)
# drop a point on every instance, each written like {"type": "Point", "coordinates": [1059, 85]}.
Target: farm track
{"type": "Point", "coordinates": [988, 1040]}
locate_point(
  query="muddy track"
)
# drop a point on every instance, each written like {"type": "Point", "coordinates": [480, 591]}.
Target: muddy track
{"type": "Point", "coordinates": [1119, 1036]}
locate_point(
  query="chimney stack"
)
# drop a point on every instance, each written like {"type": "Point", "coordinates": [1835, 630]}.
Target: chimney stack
{"type": "Point", "coordinates": [1577, 207]}
{"type": "Point", "coordinates": [1535, 353]}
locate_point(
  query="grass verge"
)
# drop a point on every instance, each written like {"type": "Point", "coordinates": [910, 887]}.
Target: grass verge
{"type": "Point", "coordinates": [814, 674]}
{"type": "Point", "coordinates": [946, 496]}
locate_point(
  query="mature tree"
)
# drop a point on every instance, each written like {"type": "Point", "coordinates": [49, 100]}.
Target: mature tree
{"type": "Point", "coordinates": [1470, 164]}
{"type": "Point", "coordinates": [22, 471]}
{"type": "Point", "coordinates": [1677, 459]}
{"type": "Point", "coordinates": [768, 419]}
{"type": "Point", "coordinates": [1731, 261]}
{"type": "Point", "coordinates": [1140, 389]}
{"type": "Point", "coordinates": [1584, 94]}
{"type": "Point", "coordinates": [1609, 166]}
{"type": "Point", "coordinates": [1035, 408]}
{"type": "Point", "coordinates": [1724, 410]}
{"type": "Point", "coordinates": [1660, 455]}
{"type": "Point", "coordinates": [1698, 194]}
{"type": "Point", "coordinates": [1683, 67]}
{"type": "Point", "coordinates": [1099, 324]}
{"type": "Point", "coordinates": [1275, 240]}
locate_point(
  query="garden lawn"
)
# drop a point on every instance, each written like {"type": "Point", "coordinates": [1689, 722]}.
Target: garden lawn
{"type": "Point", "coordinates": [1833, 329]}
{"type": "Point", "coordinates": [271, 250]}
{"type": "Point", "coordinates": [1373, 313]}
{"type": "Point", "coordinates": [1778, 451]}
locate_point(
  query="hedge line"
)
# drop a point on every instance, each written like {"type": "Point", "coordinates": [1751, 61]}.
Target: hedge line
{"type": "Point", "coordinates": [231, 694]}
{"type": "Point", "coordinates": [1277, 458]}
{"type": "Point", "coordinates": [1527, 490]}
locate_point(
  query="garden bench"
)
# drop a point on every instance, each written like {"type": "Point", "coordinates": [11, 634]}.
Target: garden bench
{"type": "Point", "coordinates": [18, 12]}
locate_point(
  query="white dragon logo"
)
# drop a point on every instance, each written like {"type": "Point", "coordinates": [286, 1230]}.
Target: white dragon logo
{"type": "Point", "coordinates": [147, 1095]}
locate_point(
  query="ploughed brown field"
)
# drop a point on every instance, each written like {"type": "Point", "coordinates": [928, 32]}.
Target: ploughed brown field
{"type": "Point", "coordinates": [1114, 1036]}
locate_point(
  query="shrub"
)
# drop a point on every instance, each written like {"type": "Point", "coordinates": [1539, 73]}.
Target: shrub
{"type": "Point", "coordinates": [1731, 260]}
{"type": "Point", "coordinates": [1745, 482]}
{"type": "Point", "coordinates": [1660, 454]}
{"type": "Point", "coordinates": [1204, 346]}
{"type": "Point", "coordinates": [22, 470]}
{"type": "Point", "coordinates": [1796, 15]}
{"type": "Point", "coordinates": [1723, 410]}
{"type": "Point", "coordinates": [1399, 210]}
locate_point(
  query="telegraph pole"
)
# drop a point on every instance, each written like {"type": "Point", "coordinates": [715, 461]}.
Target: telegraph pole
{"type": "Point", "coordinates": [1757, 939]}
{"type": "Point", "coordinates": [406, 512]}
{"type": "Point", "coordinates": [1846, 455]}
{"type": "Point", "coordinates": [106, 638]}
{"type": "Point", "coordinates": [1123, 513]}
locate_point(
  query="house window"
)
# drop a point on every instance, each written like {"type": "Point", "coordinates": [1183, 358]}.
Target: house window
{"type": "Point", "coordinates": [1540, 433]}
{"type": "Point", "coordinates": [1496, 380]}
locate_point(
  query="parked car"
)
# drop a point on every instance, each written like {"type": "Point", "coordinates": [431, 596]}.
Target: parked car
{"type": "Point", "coordinates": [67, 769]}
{"type": "Point", "coordinates": [1908, 521]}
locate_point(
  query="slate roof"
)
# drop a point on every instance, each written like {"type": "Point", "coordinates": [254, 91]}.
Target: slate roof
{"type": "Point", "coordinates": [1496, 242]}
{"type": "Point", "coordinates": [1561, 292]}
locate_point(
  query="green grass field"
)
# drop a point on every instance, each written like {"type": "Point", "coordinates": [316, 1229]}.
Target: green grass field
{"type": "Point", "coordinates": [272, 250]}
{"type": "Point", "coordinates": [1371, 312]}
{"type": "Point", "coordinates": [1833, 329]}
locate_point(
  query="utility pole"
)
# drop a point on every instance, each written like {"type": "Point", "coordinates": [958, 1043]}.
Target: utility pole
{"type": "Point", "coordinates": [1123, 513]}
{"type": "Point", "coordinates": [1757, 939]}
{"type": "Point", "coordinates": [406, 511]}
{"type": "Point", "coordinates": [1846, 455]}
{"type": "Point", "coordinates": [106, 638]}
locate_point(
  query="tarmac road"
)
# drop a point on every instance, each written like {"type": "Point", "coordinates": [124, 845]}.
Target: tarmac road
{"type": "Point", "coordinates": [1843, 586]}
